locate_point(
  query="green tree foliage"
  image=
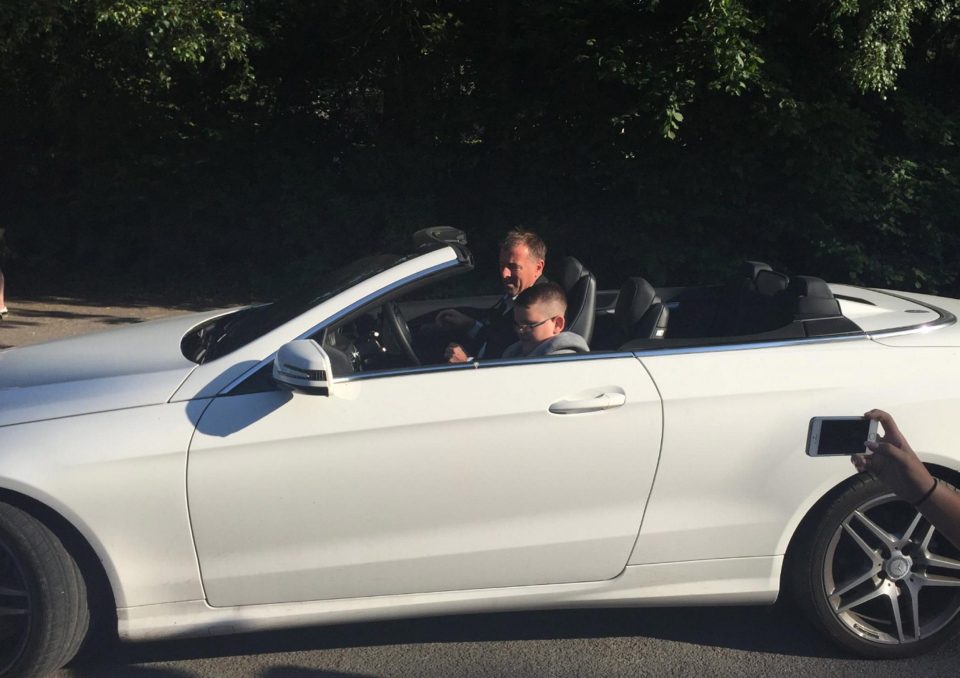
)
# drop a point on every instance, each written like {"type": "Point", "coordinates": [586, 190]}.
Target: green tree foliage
{"type": "Point", "coordinates": [149, 46]}
{"type": "Point", "coordinates": [184, 143]}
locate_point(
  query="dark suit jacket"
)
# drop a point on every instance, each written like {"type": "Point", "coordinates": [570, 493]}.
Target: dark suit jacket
{"type": "Point", "coordinates": [497, 332]}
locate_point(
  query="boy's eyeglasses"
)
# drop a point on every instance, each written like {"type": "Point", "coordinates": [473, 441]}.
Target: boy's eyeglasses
{"type": "Point", "coordinates": [526, 327]}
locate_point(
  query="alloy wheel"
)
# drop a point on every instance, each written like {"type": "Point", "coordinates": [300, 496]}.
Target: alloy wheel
{"type": "Point", "coordinates": [889, 576]}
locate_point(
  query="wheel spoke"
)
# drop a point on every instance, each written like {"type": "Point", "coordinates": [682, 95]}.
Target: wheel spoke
{"type": "Point", "coordinates": [942, 561]}
{"type": "Point", "coordinates": [877, 531]}
{"type": "Point", "coordinates": [17, 593]}
{"type": "Point", "coordinates": [927, 537]}
{"type": "Point", "coordinates": [864, 546]}
{"type": "Point", "coordinates": [895, 608]}
{"type": "Point", "coordinates": [937, 580]}
{"type": "Point", "coordinates": [915, 612]}
{"type": "Point", "coordinates": [848, 586]}
{"type": "Point", "coordinates": [913, 526]}
{"type": "Point", "coordinates": [912, 589]}
{"type": "Point", "coordinates": [867, 597]}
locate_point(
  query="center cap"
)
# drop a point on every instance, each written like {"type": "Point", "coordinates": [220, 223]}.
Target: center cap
{"type": "Point", "coordinates": [898, 567]}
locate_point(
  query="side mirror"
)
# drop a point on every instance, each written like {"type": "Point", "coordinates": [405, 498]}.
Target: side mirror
{"type": "Point", "coordinates": [303, 366]}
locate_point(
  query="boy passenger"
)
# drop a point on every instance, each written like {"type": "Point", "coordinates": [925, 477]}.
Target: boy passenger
{"type": "Point", "coordinates": [539, 321]}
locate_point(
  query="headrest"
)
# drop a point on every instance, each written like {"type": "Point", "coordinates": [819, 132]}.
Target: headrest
{"type": "Point", "coordinates": [635, 298]}
{"type": "Point", "coordinates": [750, 269]}
{"type": "Point", "coordinates": [813, 298]}
{"type": "Point", "coordinates": [571, 271]}
{"type": "Point", "coordinates": [808, 286]}
{"type": "Point", "coordinates": [770, 282]}
{"type": "Point", "coordinates": [746, 275]}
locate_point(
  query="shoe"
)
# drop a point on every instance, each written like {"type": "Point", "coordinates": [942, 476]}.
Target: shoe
{"type": "Point", "coordinates": [3, 312]}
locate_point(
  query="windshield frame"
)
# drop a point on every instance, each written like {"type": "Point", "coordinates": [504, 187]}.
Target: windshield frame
{"type": "Point", "coordinates": [385, 293]}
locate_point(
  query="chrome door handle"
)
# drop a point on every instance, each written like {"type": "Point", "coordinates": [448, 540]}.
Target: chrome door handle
{"type": "Point", "coordinates": [604, 401]}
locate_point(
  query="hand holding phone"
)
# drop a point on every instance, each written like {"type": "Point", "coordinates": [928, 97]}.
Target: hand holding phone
{"type": "Point", "coordinates": [840, 436]}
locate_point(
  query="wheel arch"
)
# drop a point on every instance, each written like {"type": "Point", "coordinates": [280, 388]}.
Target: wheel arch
{"type": "Point", "coordinates": [103, 606]}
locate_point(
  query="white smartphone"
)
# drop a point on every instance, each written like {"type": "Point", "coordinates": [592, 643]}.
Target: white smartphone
{"type": "Point", "coordinates": [844, 436]}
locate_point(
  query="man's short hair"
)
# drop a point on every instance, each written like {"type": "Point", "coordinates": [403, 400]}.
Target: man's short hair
{"type": "Point", "coordinates": [549, 294]}
{"type": "Point", "coordinates": [517, 236]}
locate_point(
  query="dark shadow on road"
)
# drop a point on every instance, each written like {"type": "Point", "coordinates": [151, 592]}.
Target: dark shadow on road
{"type": "Point", "coordinates": [63, 315]}
{"type": "Point", "coordinates": [105, 318]}
{"type": "Point", "coordinates": [772, 629]}
{"type": "Point", "coordinates": [9, 323]}
{"type": "Point", "coordinates": [122, 321]}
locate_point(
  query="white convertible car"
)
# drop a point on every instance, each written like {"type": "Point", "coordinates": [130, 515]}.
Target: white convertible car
{"type": "Point", "coordinates": [301, 463]}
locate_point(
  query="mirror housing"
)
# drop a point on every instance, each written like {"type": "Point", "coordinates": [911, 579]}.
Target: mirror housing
{"type": "Point", "coordinates": [303, 366]}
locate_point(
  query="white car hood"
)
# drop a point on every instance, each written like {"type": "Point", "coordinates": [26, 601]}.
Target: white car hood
{"type": "Point", "coordinates": [127, 367]}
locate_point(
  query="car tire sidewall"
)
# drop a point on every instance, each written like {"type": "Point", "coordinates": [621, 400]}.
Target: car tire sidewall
{"type": "Point", "coordinates": [59, 611]}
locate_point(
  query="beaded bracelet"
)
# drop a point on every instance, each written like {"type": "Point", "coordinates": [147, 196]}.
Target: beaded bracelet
{"type": "Point", "coordinates": [936, 482]}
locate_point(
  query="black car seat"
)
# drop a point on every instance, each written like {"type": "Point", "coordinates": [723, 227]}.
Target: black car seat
{"type": "Point", "coordinates": [640, 314]}
{"type": "Point", "coordinates": [580, 286]}
{"type": "Point", "coordinates": [770, 283]}
{"type": "Point", "coordinates": [753, 301]}
{"type": "Point", "coordinates": [761, 309]}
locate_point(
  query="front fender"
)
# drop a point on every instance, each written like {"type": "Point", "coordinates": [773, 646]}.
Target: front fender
{"type": "Point", "coordinates": [120, 479]}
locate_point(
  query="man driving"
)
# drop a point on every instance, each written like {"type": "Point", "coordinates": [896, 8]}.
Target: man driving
{"type": "Point", "coordinates": [522, 258]}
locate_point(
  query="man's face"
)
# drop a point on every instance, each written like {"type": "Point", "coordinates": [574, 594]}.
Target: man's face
{"type": "Point", "coordinates": [518, 270]}
{"type": "Point", "coordinates": [535, 325]}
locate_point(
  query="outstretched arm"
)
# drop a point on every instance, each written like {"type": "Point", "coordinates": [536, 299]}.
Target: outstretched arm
{"type": "Point", "coordinates": [896, 465]}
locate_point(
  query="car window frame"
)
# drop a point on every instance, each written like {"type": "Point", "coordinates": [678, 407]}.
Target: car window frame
{"type": "Point", "coordinates": [381, 296]}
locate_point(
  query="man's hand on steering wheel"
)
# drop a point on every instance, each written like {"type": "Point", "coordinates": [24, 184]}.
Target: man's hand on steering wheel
{"type": "Point", "coordinates": [455, 353]}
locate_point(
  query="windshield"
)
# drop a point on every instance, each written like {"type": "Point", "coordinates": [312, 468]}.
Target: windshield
{"type": "Point", "coordinates": [229, 332]}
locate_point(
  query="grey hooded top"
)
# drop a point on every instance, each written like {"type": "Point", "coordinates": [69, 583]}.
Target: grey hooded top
{"type": "Point", "coordinates": [565, 342]}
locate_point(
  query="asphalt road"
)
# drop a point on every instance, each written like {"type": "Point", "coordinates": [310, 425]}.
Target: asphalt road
{"type": "Point", "coordinates": [751, 641]}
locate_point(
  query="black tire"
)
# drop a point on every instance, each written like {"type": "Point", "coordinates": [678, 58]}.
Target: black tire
{"type": "Point", "coordinates": [875, 576]}
{"type": "Point", "coordinates": [43, 595]}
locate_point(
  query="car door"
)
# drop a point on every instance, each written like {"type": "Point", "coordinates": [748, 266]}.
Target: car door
{"type": "Point", "coordinates": [445, 478]}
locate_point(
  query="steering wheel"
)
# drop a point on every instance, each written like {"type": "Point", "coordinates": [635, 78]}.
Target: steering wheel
{"type": "Point", "coordinates": [398, 330]}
